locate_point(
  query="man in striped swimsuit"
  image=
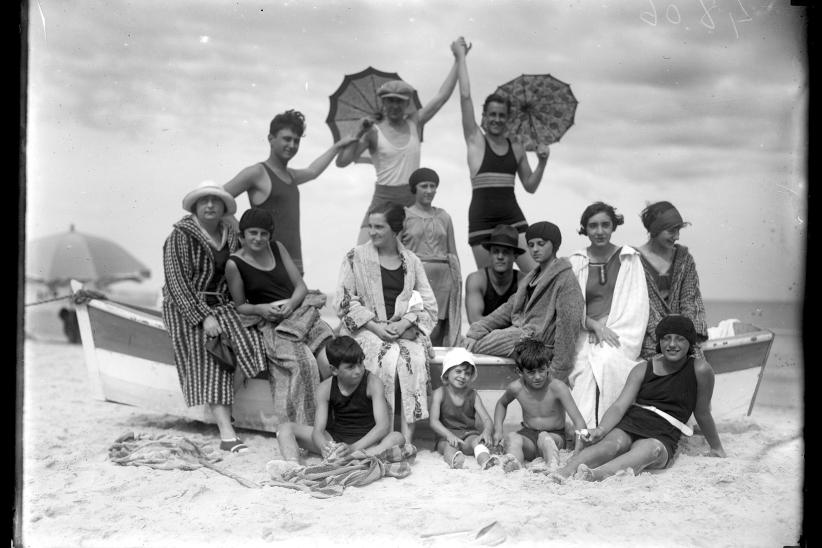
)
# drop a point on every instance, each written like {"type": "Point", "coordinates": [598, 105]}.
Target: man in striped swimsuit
{"type": "Point", "coordinates": [493, 163]}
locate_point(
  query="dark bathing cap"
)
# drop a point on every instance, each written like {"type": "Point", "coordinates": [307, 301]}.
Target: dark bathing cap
{"type": "Point", "coordinates": [423, 175]}
{"type": "Point", "coordinates": [668, 219]}
{"type": "Point", "coordinates": [675, 324]}
{"type": "Point", "coordinates": [545, 230]}
{"type": "Point", "coordinates": [257, 217]}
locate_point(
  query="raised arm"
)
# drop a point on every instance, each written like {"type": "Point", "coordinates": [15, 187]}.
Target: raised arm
{"type": "Point", "coordinates": [446, 89]}
{"type": "Point", "coordinates": [470, 129]}
{"type": "Point", "coordinates": [314, 170]}
{"type": "Point", "coordinates": [366, 138]}
{"type": "Point", "coordinates": [702, 413]}
{"type": "Point", "coordinates": [531, 179]}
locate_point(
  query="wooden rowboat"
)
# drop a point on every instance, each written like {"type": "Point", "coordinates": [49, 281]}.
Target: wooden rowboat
{"type": "Point", "coordinates": [129, 359]}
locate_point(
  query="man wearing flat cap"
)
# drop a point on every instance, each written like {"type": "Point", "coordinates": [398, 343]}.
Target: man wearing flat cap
{"type": "Point", "coordinates": [393, 141]}
{"type": "Point", "coordinates": [488, 288]}
{"type": "Point", "coordinates": [548, 306]}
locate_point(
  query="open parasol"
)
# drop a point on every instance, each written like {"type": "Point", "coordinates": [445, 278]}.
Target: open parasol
{"type": "Point", "coordinates": [542, 108]}
{"type": "Point", "coordinates": [56, 259]}
{"type": "Point", "coordinates": [356, 98]}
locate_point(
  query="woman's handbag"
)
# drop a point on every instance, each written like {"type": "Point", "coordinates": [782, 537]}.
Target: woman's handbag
{"type": "Point", "coordinates": [220, 347]}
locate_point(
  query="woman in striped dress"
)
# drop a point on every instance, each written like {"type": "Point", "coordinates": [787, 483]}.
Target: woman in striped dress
{"type": "Point", "coordinates": [196, 306]}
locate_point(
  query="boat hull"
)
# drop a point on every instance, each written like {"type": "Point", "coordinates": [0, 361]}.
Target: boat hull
{"type": "Point", "coordinates": [129, 358]}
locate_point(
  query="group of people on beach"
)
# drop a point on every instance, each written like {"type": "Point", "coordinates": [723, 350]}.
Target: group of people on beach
{"type": "Point", "coordinates": [605, 340]}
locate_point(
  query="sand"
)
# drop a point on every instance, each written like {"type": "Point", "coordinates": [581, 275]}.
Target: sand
{"type": "Point", "coordinates": [74, 496]}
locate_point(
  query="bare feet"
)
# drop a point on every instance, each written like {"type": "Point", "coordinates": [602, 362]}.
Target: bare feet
{"type": "Point", "coordinates": [537, 466]}
{"type": "Point", "coordinates": [550, 451]}
{"type": "Point", "coordinates": [282, 470]}
{"type": "Point", "coordinates": [557, 478]}
{"type": "Point", "coordinates": [585, 474]}
{"type": "Point", "coordinates": [491, 460]}
{"type": "Point", "coordinates": [510, 463]}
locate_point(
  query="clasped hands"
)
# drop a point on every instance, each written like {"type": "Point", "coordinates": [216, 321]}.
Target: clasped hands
{"type": "Point", "coordinates": [392, 331]}
{"type": "Point", "coordinates": [276, 310]}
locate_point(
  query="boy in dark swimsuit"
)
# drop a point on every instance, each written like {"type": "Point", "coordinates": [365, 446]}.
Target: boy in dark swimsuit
{"type": "Point", "coordinates": [352, 413]}
{"type": "Point", "coordinates": [544, 402]}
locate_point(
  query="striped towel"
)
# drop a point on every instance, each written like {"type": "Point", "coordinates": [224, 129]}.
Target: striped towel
{"type": "Point", "coordinates": [331, 477]}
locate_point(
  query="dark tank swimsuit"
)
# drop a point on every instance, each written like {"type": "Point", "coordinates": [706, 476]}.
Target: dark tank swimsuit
{"type": "Point", "coordinates": [284, 202]}
{"type": "Point", "coordinates": [265, 286]}
{"type": "Point", "coordinates": [492, 200]}
{"type": "Point", "coordinates": [350, 417]}
{"type": "Point", "coordinates": [674, 394]}
{"type": "Point", "coordinates": [493, 300]}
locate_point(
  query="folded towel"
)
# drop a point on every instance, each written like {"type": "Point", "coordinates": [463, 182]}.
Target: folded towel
{"type": "Point", "coordinates": [725, 328]}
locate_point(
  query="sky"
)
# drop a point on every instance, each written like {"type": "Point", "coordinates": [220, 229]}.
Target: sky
{"type": "Point", "coordinates": [702, 103]}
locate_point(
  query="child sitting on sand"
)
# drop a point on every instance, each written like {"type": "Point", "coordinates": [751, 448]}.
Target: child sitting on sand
{"type": "Point", "coordinates": [544, 402]}
{"type": "Point", "coordinates": [352, 413]}
{"type": "Point", "coordinates": [453, 413]}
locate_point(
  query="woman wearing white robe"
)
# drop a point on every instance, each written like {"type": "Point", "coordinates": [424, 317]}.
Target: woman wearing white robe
{"type": "Point", "coordinates": [609, 346]}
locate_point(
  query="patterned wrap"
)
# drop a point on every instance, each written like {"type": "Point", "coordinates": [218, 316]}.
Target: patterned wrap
{"type": "Point", "coordinates": [359, 299]}
{"type": "Point", "coordinates": [684, 298]}
{"type": "Point", "coordinates": [189, 265]}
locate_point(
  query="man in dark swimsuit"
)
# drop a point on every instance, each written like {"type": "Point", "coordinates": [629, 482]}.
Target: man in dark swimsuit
{"type": "Point", "coordinates": [273, 185]}
{"type": "Point", "coordinates": [494, 161]}
{"type": "Point", "coordinates": [489, 287]}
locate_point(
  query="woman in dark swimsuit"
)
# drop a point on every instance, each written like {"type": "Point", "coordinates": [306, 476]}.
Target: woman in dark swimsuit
{"type": "Point", "coordinates": [643, 427]}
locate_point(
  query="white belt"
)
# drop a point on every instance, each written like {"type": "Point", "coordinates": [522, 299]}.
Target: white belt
{"type": "Point", "coordinates": [684, 428]}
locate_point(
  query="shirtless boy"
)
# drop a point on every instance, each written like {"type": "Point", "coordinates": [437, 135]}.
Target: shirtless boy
{"type": "Point", "coordinates": [544, 402]}
{"type": "Point", "coordinates": [352, 413]}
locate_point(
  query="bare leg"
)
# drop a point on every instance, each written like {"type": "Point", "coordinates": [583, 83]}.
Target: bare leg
{"type": "Point", "coordinates": [481, 256]}
{"type": "Point", "coordinates": [450, 454]}
{"type": "Point", "coordinates": [548, 445]}
{"type": "Point", "coordinates": [222, 415]}
{"type": "Point", "coordinates": [407, 429]}
{"type": "Point", "coordinates": [362, 237]}
{"type": "Point", "coordinates": [615, 443]}
{"type": "Point", "coordinates": [642, 454]}
{"type": "Point", "coordinates": [519, 446]}
{"type": "Point", "coordinates": [524, 261]}
{"type": "Point", "coordinates": [291, 436]}
{"type": "Point", "coordinates": [469, 447]}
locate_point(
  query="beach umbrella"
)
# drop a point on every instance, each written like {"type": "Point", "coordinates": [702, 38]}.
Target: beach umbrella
{"type": "Point", "coordinates": [542, 108]}
{"type": "Point", "coordinates": [356, 98]}
{"type": "Point", "coordinates": [55, 260]}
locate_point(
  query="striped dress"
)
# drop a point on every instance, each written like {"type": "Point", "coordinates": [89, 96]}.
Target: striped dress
{"type": "Point", "coordinates": [188, 264]}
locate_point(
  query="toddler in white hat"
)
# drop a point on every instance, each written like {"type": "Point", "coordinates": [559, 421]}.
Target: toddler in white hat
{"type": "Point", "coordinates": [455, 408]}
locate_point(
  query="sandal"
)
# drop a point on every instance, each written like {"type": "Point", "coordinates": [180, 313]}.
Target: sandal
{"type": "Point", "coordinates": [234, 446]}
{"type": "Point", "coordinates": [493, 460]}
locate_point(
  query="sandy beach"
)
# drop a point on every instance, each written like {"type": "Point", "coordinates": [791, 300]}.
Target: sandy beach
{"type": "Point", "coordinates": [73, 495]}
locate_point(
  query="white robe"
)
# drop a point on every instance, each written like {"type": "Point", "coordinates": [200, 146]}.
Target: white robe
{"type": "Point", "coordinates": [602, 365]}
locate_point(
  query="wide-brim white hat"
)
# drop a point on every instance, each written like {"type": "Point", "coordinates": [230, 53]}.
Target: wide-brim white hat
{"type": "Point", "coordinates": [209, 188]}
{"type": "Point", "coordinates": [457, 356]}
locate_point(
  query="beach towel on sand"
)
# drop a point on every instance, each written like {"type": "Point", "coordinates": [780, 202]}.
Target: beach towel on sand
{"type": "Point", "coordinates": [165, 452]}
{"type": "Point", "coordinates": [331, 477]}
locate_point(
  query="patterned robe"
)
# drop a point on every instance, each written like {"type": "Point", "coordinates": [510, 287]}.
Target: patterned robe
{"type": "Point", "coordinates": [359, 299]}
{"type": "Point", "coordinates": [188, 264]}
{"type": "Point", "coordinates": [684, 298]}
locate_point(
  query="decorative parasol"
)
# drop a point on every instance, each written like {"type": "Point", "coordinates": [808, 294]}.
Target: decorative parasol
{"type": "Point", "coordinates": [55, 260]}
{"type": "Point", "coordinates": [357, 98]}
{"type": "Point", "coordinates": [542, 108]}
